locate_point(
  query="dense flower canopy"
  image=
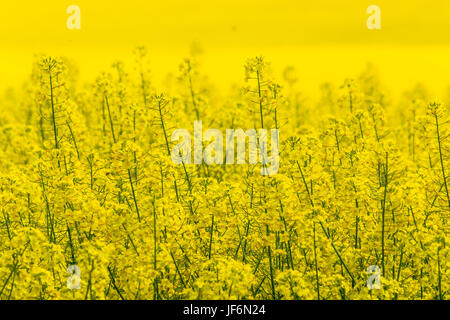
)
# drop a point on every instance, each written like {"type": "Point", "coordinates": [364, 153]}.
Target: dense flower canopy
{"type": "Point", "coordinates": [86, 179]}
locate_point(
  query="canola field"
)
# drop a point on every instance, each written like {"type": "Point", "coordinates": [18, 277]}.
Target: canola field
{"type": "Point", "coordinates": [93, 207]}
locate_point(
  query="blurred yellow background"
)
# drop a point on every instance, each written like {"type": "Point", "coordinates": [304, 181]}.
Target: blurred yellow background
{"type": "Point", "coordinates": [326, 40]}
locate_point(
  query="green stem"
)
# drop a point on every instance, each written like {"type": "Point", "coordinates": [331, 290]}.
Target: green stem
{"type": "Point", "coordinates": [134, 195]}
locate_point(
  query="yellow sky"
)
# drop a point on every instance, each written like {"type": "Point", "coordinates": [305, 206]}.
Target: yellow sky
{"type": "Point", "coordinates": [324, 39]}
